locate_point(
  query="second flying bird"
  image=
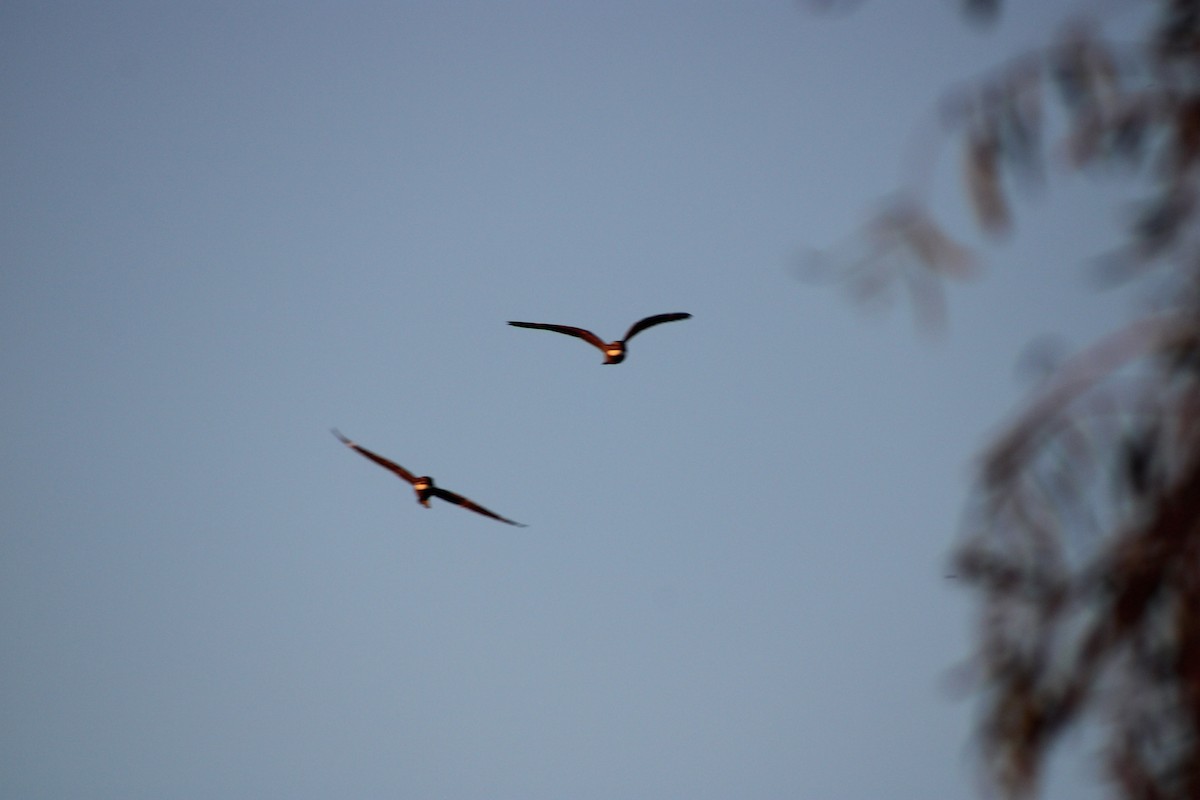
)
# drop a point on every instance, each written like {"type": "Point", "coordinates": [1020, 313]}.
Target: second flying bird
{"type": "Point", "coordinates": [614, 352]}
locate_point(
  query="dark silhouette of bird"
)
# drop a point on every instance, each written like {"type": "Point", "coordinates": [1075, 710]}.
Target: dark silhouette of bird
{"type": "Point", "coordinates": [614, 352]}
{"type": "Point", "coordinates": [423, 485]}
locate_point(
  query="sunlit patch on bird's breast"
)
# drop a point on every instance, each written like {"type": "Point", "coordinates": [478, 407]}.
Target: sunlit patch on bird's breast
{"type": "Point", "coordinates": [613, 351]}
{"type": "Point", "coordinates": [421, 485]}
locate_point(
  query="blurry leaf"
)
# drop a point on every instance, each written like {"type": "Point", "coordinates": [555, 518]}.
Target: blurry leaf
{"type": "Point", "coordinates": [1178, 35]}
{"type": "Point", "coordinates": [1071, 79]}
{"type": "Point", "coordinates": [870, 288]}
{"type": "Point", "coordinates": [982, 172]}
{"type": "Point", "coordinates": [913, 226]}
{"type": "Point", "coordinates": [901, 248]}
{"type": "Point", "coordinates": [1128, 132]}
{"type": "Point", "coordinates": [1078, 375]}
{"type": "Point", "coordinates": [831, 6]}
{"type": "Point", "coordinates": [1117, 133]}
{"type": "Point", "coordinates": [860, 266]}
{"type": "Point", "coordinates": [984, 12]}
{"type": "Point", "coordinates": [937, 251]}
{"type": "Point", "coordinates": [1084, 144]}
{"type": "Point", "coordinates": [1182, 355]}
{"type": "Point", "coordinates": [1187, 135]}
{"type": "Point", "coordinates": [928, 301]}
{"type": "Point", "coordinates": [1158, 226]}
{"type": "Point", "coordinates": [1018, 109]}
{"type": "Point", "coordinates": [1084, 71]}
{"type": "Point", "coordinates": [1139, 460]}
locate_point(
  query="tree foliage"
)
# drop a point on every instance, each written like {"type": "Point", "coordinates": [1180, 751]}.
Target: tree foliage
{"type": "Point", "coordinates": [1082, 537]}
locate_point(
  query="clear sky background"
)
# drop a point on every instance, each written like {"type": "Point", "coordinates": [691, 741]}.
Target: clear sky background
{"type": "Point", "coordinates": [228, 227]}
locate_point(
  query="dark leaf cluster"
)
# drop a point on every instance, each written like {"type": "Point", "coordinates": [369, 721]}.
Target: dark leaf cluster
{"type": "Point", "coordinates": [1082, 536]}
{"type": "Point", "coordinates": [1084, 544]}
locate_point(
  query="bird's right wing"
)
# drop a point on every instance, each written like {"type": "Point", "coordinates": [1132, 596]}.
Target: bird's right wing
{"type": "Point", "coordinates": [579, 333]}
{"type": "Point", "coordinates": [380, 460]}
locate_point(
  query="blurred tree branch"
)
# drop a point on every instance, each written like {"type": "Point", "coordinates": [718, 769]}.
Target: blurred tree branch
{"type": "Point", "coordinates": [1083, 530]}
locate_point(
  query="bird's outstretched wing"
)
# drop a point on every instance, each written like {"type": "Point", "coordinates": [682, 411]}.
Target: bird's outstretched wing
{"type": "Point", "coordinates": [657, 319]}
{"type": "Point", "coordinates": [587, 336]}
{"type": "Point", "coordinates": [380, 460]}
{"type": "Point", "coordinates": [459, 500]}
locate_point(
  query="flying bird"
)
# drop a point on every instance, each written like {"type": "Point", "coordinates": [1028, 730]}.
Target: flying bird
{"type": "Point", "coordinates": [423, 485]}
{"type": "Point", "coordinates": [614, 352]}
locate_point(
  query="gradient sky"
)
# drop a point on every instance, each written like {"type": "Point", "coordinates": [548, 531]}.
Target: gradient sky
{"type": "Point", "coordinates": [228, 227]}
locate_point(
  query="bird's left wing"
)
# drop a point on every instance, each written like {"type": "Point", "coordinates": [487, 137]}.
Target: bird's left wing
{"type": "Point", "coordinates": [459, 500]}
{"type": "Point", "coordinates": [657, 319]}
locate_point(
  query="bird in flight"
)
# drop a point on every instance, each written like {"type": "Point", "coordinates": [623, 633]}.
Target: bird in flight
{"type": "Point", "coordinates": [423, 485]}
{"type": "Point", "coordinates": [614, 352]}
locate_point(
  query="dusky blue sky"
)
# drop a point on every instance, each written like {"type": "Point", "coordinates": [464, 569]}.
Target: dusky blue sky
{"type": "Point", "coordinates": [228, 227]}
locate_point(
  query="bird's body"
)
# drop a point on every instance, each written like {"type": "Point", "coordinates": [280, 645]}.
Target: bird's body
{"type": "Point", "coordinates": [423, 485]}
{"type": "Point", "coordinates": [614, 352]}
